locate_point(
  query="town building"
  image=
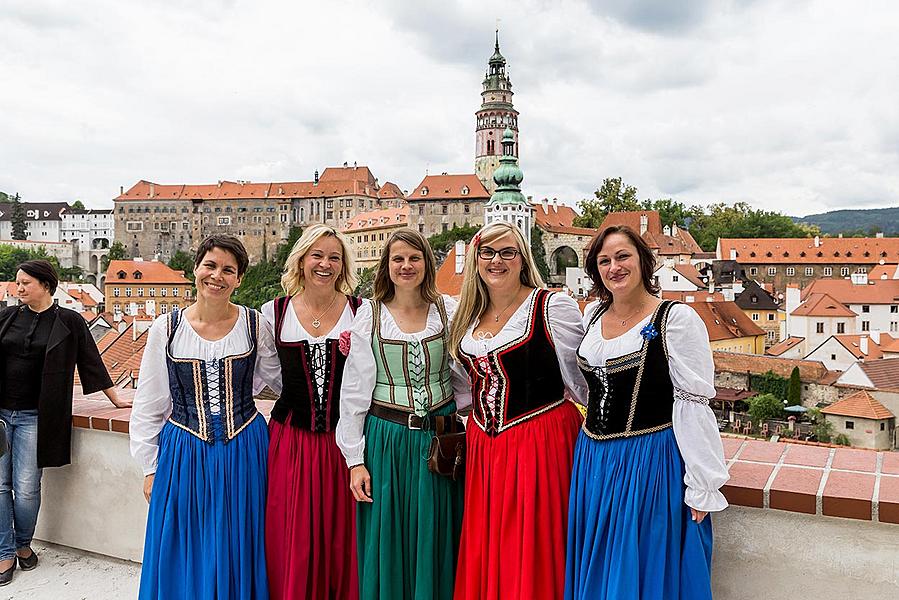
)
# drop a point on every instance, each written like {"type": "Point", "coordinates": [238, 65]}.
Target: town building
{"type": "Point", "coordinates": [729, 328]}
{"type": "Point", "coordinates": [496, 115]}
{"type": "Point", "coordinates": [93, 230]}
{"type": "Point", "coordinates": [43, 221]}
{"type": "Point", "coordinates": [864, 421]}
{"type": "Point", "coordinates": [874, 303]}
{"type": "Point", "coordinates": [876, 374]}
{"type": "Point", "coordinates": [369, 231]}
{"type": "Point", "coordinates": [564, 244]}
{"type": "Point", "coordinates": [839, 352]}
{"type": "Point", "coordinates": [800, 261]}
{"type": "Point", "coordinates": [442, 202]}
{"type": "Point", "coordinates": [817, 318]}
{"type": "Point", "coordinates": [508, 204]}
{"type": "Point", "coordinates": [149, 287]}
{"type": "Point", "coordinates": [670, 243]}
{"type": "Point", "coordinates": [763, 308]}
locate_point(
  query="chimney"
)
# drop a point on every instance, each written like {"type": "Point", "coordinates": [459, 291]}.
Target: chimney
{"type": "Point", "coordinates": [733, 254]}
{"type": "Point", "coordinates": [315, 181]}
{"type": "Point", "coordinates": [644, 224]}
{"type": "Point", "coordinates": [545, 204]}
{"type": "Point", "coordinates": [152, 190]}
{"type": "Point", "coordinates": [460, 257]}
{"type": "Point", "coordinates": [878, 235]}
{"type": "Point", "coordinates": [817, 242]}
{"type": "Point", "coordinates": [863, 345]}
{"type": "Point", "coordinates": [345, 164]}
{"type": "Point", "coordinates": [354, 165]}
{"type": "Point", "coordinates": [875, 337]}
{"type": "Point", "coordinates": [555, 205]}
{"type": "Point", "coordinates": [121, 190]}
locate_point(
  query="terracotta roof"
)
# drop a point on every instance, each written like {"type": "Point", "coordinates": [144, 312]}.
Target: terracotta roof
{"type": "Point", "coordinates": [852, 343]}
{"type": "Point", "coordinates": [883, 373]}
{"type": "Point", "coordinates": [119, 356]}
{"type": "Point", "coordinates": [83, 297]}
{"type": "Point", "coordinates": [734, 362]}
{"type": "Point", "coordinates": [88, 316]}
{"type": "Point", "coordinates": [725, 320]}
{"type": "Point", "coordinates": [354, 173]}
{"type": "Point", "coordinates": [108, 338]}
{"type": "Point", "coordinates": [448, 281]}
{"type": "Point", "coordinates": [449, 187]}
{"type": "Point", "coordinates": [695, 296]}
{"type": "Point", "coordinates": [151, 271]}
{"type": "Point", "coordinates": [802, 250]}
{"type": "Point", "coordinates": [877, 291]}
{"type": "Point", "coordinates": [691, 273]}
{"type": "Point", "coordinates": [679, 242]}
{"type": "Point", "coordinates": [860, 405]}
{"type": "Point", "coordinates": [586, 231]}
{"type": "Point", "coordinates": [884, 272]}
{"type": "Point", "coordinates": [376, 219]}
{"type": "Point", "coordinates": [781, 347]}
{"type": "Point", "coordinates": [554, 214]}
{"type": "Point", "coordinates": [390, 191]}
{"type": "Point", "coordinates": [891, 345]}
{"type": "Point", "coordinates": [733, 394]}
{"type": "Point", "coordinates": [821, 305]}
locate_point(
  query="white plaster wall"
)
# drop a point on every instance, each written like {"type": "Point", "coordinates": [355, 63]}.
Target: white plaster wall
{"type": "Point", "coordinates": [855, 376]}
{"type": "Point", "coordinates": [97, 502]}
{"type": "Point", "coordinates": [844, 358]}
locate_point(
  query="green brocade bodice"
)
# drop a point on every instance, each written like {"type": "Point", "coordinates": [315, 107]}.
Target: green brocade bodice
{"type": "Point", "coordinates": [413, 375]}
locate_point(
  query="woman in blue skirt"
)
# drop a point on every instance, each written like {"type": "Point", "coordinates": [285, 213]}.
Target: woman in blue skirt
{"type": "Point", "coordinates": [649, 462]}
{"type": "Point", "coordinates": [200, 441]}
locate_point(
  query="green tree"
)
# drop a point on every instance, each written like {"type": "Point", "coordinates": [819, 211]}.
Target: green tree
{"type": "Point", "coordinates": [613, 196]}
{"type": "Point", "coordinates": [116, 252]}
{"type": "Point", "coordinates": [11, 257]}
{"type": "Point", "coordinates": [78, 205]}
{"type": "Point", "coordinates": [539, 252]}
{"type": "Point", "coordinates": [4, 197]}
{"type": "Point", "coordinates": [823, 429]}
{"type": "Point", "coordinates": [183, 261]}
{"type": "Point", "coordinates": [794, 388]}
{"type": "Point", "coordinates": [17, 219]}
{"type": "Point", "coordinates": [261, 283]}
{"type": "Point", "coordinates": [285, 247]}
{"type": "Point", "coordinates": [671, 211]}
{"type": "Point", "coordinates": [442, 242]}
{"type": "Point", "coordinates": [366, 281]}
{"type": "Point", "coordinates": [765, 407]}
{"type": "Point", "coordinates": [743, 221]}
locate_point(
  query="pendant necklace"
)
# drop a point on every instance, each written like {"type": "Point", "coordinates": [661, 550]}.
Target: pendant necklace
{"type": "Point", "coordinates": [624, 321]}
{"type": "Point", "coordinates": [316, 321]}
{"type": "Point", "coordinates": [496, 316]}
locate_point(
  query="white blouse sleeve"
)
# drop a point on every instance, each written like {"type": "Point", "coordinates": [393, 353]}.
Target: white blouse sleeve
{"type": "Point", "coordinates": [567, 331]}
{"type": "Point", "coordinates": [461, 383]}
{"type": "Point", "coordinates": [268, 365]}
{"type": "Point", "coordinates": [359, 377]}
{"type": "Point", "coordinates": [695, 426]}
{"type": "Point", "coordinates": [153, 399]}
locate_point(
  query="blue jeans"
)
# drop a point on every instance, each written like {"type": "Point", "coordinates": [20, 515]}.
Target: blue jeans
{"type": "Point", "coordinates": [20, 482]}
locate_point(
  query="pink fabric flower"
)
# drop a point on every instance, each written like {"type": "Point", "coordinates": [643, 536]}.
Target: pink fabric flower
{"type": "Point", "coordinates": [343, 344]}
{"type": "Point", "coordinates": [476, 240]}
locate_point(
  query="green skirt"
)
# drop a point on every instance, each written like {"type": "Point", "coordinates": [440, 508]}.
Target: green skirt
{"type": "Point", "coordinates": [409, 536]}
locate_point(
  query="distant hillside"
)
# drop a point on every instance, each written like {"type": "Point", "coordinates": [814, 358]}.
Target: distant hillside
{"type": "Point", "coordinates": [855, 222]}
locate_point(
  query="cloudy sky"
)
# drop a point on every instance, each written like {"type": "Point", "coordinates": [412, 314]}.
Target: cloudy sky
{"type": "Point", "coordinates": [788, 105]}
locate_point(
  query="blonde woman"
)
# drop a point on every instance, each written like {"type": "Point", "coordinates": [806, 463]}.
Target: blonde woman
{"type": "Point", "coordinates": [399, 388]}
{"type": "Point", "coordinates": [310, 535]}
{"type": "Point", "coordinates": [517, 342]}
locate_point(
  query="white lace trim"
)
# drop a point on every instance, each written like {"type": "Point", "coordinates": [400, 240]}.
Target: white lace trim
{"type": "Point", "coordinates": [686, 396]}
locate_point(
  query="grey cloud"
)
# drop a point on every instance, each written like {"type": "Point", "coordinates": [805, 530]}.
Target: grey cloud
{"type": "Point", "coordinates": [664, 16]}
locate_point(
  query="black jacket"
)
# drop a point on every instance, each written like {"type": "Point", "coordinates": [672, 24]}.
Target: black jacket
{"type": "Point", "coordinates": [70, 344]}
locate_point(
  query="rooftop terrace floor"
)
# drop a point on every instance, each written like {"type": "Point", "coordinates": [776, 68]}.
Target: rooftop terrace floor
{"type": "Point", "coordinates": [67, 574]}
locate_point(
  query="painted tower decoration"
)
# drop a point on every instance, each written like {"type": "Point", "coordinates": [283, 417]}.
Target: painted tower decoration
{"type": "Point", "coordinates": [508, 204]}
{"type": "Point", "coordinates": [495, 116]}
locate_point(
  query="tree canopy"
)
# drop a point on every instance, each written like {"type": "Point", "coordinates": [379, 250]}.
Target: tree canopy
{"type": "Point", "coordinates": [262, 281]}
{"type": "Point", "coordinates": [11, 257]}
{"type": "Point", "coordinates": [17, 219]}
{"type": "Point", "coordinates": [442, 242]}
{"type": "Point", "coordinates": [78, 205]}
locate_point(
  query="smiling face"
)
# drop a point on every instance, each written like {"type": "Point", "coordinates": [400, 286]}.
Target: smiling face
{"type": "Point", "coordinates": [323, 262]}
{"type": "Point", "coordinates": [30, 290]}
{"type": "Point", "coordinates": [407, 265]}
{"type": "Point", "coordinates": [619, 265]}
{"type": "Point", "coordinates": [498, 273]}
{"type": "Point", "coordinates": [216, 275]}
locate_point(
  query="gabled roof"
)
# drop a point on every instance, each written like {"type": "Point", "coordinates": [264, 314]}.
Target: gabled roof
{"type": "Point", "coordinates": [725, 320]}
{"type": "Point", "coordinates": [852, 343]}
{"type": "Point", "coordinates": [390, 191]}
{"type": "Point", "coordinates": [151, 272]}
{"type": "Point", "coordinates": [449, 187]}
{"type": "Point", "coordinates": [377, 219]}
{"type": "Point", "coordinates": [554, 214]}
{"type": "Point", "coordinates": [346, 173]}
{"type": "Point", "coordinates": [878, 291]}
{"type": "Point", "coordinates": [36, 211]}
{"type": "Point", "coordinates": [883, 373]}
{"type": "Point", "coordinates": [735, 362]}
{"type": "Point", "coordinates": [803, 250]}
{"type": "Point", "coordinates": [860, 405]}
{"type": "Point", "coordinates": [884, 272]}
{"type": "Point", "coordinates": [677, 243]}
{"type": "Point", "coordinates": [822, 305]}
{"type": "Point", "coordinates": [787, 344]}
{"type": "Point", "coordinates": [690, 273]}
{"type": "Point", "coordinates": [755, 297]}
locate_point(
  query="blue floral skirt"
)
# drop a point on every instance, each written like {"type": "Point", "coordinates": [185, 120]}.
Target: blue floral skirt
{"type": "Point", "coordinates": [206, 526]}
{"type": "Point", "coordinates": [630, 535]}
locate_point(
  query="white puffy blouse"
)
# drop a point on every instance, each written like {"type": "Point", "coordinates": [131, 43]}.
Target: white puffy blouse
{"type": "Point", "coordinates": [692, 370]}
{"type": "Point", "coordinates": [360, 373]}
{"type": "Point", "coordinates": [153, 399]}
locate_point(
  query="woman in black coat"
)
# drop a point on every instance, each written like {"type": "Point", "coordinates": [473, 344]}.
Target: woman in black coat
{"type": "Point", "coordinates": [40, 345]}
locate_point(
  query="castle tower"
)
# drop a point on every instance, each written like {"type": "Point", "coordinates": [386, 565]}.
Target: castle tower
{"type": "Point", "coordinates": [495, 116]}
{"type": "Point", "coordinates": [508, 204]}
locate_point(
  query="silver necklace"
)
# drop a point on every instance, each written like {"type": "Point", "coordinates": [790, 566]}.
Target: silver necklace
{"type": "Point", "coordinates": [624, 321]}
{"type": "Point", "coordinates": [316, 322]}
{"type": "Point", "coordinates": [496, 316]}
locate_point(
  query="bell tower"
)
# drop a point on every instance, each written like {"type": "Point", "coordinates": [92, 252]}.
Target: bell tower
{"type": "Point", "coordinates": [493, 118]}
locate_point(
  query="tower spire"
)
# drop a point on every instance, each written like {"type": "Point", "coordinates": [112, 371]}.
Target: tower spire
{"type": "Point", "coordinates": [495, 115]}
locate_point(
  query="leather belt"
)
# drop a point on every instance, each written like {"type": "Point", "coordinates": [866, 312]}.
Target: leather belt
{"type": "Point", "coordinates": [439, 424]}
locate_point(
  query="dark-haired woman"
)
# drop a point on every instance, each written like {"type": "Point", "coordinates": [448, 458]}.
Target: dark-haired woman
{"type": "Point", "coordinates": [649, 462]}
{"type": "Point", "coordinates": [40, 345]}
{"type": "Point", "coordinates": [310, 534]}
{"type": "Point", "coordinates": [399, 387]}
{"type": "Point", "coordinates": [200, 441]}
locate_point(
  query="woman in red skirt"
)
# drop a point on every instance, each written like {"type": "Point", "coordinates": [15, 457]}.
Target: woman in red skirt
{"type": "Point", "coordinates": [310, 535]}
{"type": "Point", "coordinates": [518, 342]}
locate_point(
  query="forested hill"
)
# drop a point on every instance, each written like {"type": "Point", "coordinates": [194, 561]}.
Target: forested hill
{"type": "Point", "coordinates": [856, 222]}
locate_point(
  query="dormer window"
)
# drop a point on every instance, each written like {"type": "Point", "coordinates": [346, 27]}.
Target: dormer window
{"type": "Point", "coordinates": [465, 190]}
{"type": "Point", "coordinates": [424, 191]}
{"type": "Point", "coordinates": [138, 275]}
{"type": "Point", "coordinates": [121, 274]}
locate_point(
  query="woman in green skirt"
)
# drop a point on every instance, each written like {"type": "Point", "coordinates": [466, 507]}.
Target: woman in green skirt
{"type": "Point", "coordinates": [400, 387]}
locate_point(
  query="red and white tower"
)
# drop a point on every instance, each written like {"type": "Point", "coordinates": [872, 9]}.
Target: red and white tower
{"type": "Point", "coordinates": [495, 116]}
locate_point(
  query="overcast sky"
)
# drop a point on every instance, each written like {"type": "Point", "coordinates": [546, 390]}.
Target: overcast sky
{"type": "Point", "coordinates": [789, 105]}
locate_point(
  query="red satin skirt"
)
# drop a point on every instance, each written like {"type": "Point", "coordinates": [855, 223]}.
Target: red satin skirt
{"type": "Point", "coordinates": [516, 509]}
{"type": "Point", "coordinates": [310, 517]}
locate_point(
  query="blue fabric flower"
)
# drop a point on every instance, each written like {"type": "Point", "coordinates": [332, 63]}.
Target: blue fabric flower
{"type": "Point", "coordinates": [649, 331]}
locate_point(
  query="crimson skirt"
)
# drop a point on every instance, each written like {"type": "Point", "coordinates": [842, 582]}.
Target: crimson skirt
{"type": "Point", "coordinates": [516, 509]}
{"type": "Point", "coordinates": [310, 517]}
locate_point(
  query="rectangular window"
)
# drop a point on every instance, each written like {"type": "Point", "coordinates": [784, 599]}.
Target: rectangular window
{"type": "Point", "coordinates": [753, 270]}
{"type": "Point", "coordinates": [828, 271]}
{"type": "Point", "coordinates": [844, 271]}
{"type": "Point", "coordinates": [675, 278]}
{"type": "Point", "coordinates": [116, 292]}
{"type": "Point", "coordinates": [841, 328]}
{"type": "Point", "coordinates": [127, 292]}
{"type": "Point", "coordinates": [152, 292]}
{"type": "Point", "coordinates": [164, 308]}
{"type": "Point", "coordinates": [772, 271]}
{"type": "Point", "coordinates": [791, 271]}
{"type": "Point", "coordinates": [819, 327]}
{"type": "Point", "coordinates": [444, 209]}
{"type": "Point", "coordinates": [833, 357]}
{"type": "Point", "coordinates": [862, 270]}
{"type": "Point", "coordinates": [850, 424]}
{"type": "Point", "coordinates": [894, 326]}
{"type": "Point", "coordinates": [755, 316]}
{"type": "Point", "coordinates": [770, 316]}
{"type": "Point", "coordinates": [866, 308]}
{"type": "Point", "coordinates": [809, 271]}
{"type": "Point", "coordinates": [883, 426]}
{"type": "Point", "coordinates": [164, 292]}
{"type": "Point", "coordinates": [866, 325]}
{"type": "Point", "coordinates": [140, 292]}
{"type": "Point", "coordinates": [134, 226]}
{"type": "Point", "coordinates": [221, 221]}
{"type": "Point", "coordinates": [894, 309]}
{"type": "Point", "coordinates": [175, 292]}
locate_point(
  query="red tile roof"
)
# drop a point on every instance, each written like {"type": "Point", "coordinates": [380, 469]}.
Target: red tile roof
{"type": "Point", "coordinates": [725, 320]}
{"type": "Point", "coordinates": [83, 297]}
{"type": "Point", "coordinates": [852, 343]}
{"type": "Point", "coordinates": [690, 273]}
{"type": "Point", "coordinates": [891, 345]}
{"type": "Point", "coordinates": [781, 347]}
{"type": "Point", "coordinates": [802, 250]}
{"type": "Point", "coordinates": [821, 305]}
{"type": "Point", "coordinates": [884, 272]}
{"type": "Point", "coordinates": [695, 296]}
{"type": "Point", "coordinates": [554, 214]}
{"type": "Point", "coordinates": [734, 362]}
{"type": "Point", "coordinates": [448, 281]}
{"type": "Point", "coordinates": [860, 405]}
{"type": "Point", "coordinates": [354, 173]}
{"type": "Point", "coordinates": [449, 187]}
{"type": "Point", "coordinates": [390, 191]}
{"type": "Point", "coordinates": [883, 373]}
{"type": "Point", "coordinates": [151, 271]}
{"type": "Point", "coordinates": [877, 291]}
{"type": "Point", "coordinates": [678, 242]}
{"type": "Point", "coordinates": [390, 217]}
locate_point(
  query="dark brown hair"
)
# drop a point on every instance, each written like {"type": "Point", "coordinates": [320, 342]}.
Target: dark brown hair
{"type": "Point", "coordinates": [229, 244]}
{"type": "Point", "coordinates": [383, 288]}
{"type": "Point", "coordinates": [43, 271]}
{"type": "Point", "coordinates": [647, 261]}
